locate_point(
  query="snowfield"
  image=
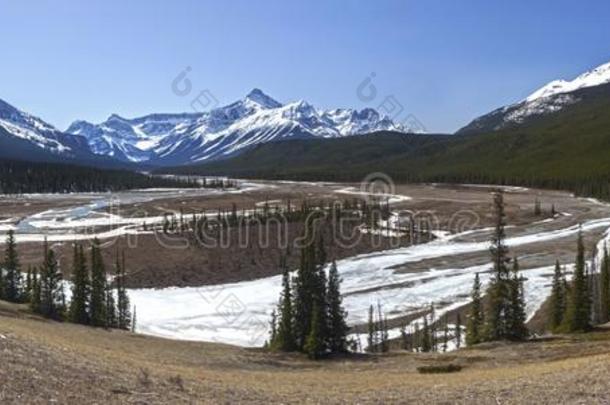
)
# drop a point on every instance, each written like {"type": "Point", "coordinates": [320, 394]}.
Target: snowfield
{"type": "Point", "coordinates": [239, 313]}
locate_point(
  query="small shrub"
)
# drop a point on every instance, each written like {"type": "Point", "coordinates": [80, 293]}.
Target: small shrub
{"type": "Point", "coordinates": [439, 369]}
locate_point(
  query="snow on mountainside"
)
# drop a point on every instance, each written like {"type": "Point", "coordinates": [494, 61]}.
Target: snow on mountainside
{"type": "Point", "coordinates": [596, 77]}
{"type": "Point", "coordinates": [549, 99]}
{"type": "Point", "coordinates": [26, 133]}
{"type": "Point", "coordinates": [175, 139]}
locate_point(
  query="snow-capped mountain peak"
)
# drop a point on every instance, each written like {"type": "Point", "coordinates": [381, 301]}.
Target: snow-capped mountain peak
{"type": "Point", "coordinates": [261, 99]}
{"type": "Point", "coordinates": [595, 77]}
{"type": "Point", "coordinates": [549, 99]}
{"type": "Point", "coordinates": [176, 139]}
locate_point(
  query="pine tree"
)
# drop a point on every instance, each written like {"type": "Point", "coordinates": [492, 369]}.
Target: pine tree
{"type": "Point", "coordinates": [605, 288]}
{"type": "Point", "coordinates": [285, 337]}
{"type": "Point", "coordinates": [98, 287]}
{"type": "Point", "coordinates": [474, 327]}
{"type": "Point", "coordinates": [558, 299]}
{"type": "Point", "coordinates": [13, 289]}
{"type": "Point", "coordinates": [51, 288]}
{"type": "Point", "coordinates": [79, 306]}
{"type": "Point", "coordinates": [123, 313]}
{"type": "Point", "coordinates": [499, 289]}
{"type": "Point", "coordinates": [458, 331]}
{"type": "Point", "coordinates": [516, 328]}
{"type": "Point", "coordinates": [578, 314]}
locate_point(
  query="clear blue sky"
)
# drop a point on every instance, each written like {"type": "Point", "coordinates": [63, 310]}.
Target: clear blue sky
{"type": "Point", "coordinates": [445, 61]}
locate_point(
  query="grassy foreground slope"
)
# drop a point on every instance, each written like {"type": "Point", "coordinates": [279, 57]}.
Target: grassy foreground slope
{"type": "Point", "coordinates": [569, 150]}
{"type": "Point", "coordinates": [46, 362]}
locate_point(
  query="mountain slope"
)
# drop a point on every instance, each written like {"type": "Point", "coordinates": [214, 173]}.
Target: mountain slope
{"type": "Point", "coordinates": [175, 139]}
{"type": "Point", "coordinates": [549, 99]}
{"type": "Point", "coordinates": [25, 133]}
{"type": "Point", "coordinates": [568, 149]}
{"type": "Point", "coordinates": [26, 137]}
{"type": "Point", "coordinates": [52, 362]}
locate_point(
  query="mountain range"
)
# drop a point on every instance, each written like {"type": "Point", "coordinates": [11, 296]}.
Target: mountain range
{"type": "Point", "coordinates": [177, 139]}
{"type": "Point", "coordinates": [558, 145]}
{"type": "Point", "coordinates": [194, 138]}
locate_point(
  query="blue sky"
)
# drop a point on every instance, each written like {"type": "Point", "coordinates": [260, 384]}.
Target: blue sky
{"type": "Point", "coordinates": [445, 61]}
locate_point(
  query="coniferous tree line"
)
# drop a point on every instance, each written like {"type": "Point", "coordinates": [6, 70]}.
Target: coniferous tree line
{"type": "Point", "coordinates": [19, 177]}
{"type": "Point", "coordinates": [597, 186]}
{"type": "Point", "coordinates": [351, 212]}
{"type": "Point", "coordinates": [93, 299]}
{"type": "Point", "coordinates": [310, 317]}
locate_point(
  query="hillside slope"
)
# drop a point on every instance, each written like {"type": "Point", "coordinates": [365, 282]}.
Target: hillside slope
{"type": "Point", "coordinates": [53, 362]}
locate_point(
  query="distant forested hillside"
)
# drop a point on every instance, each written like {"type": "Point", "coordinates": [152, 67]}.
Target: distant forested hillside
{"type": "Point", "coordinates": [27, 177]}
{"type": "Point", "coordinates": [566, 150]}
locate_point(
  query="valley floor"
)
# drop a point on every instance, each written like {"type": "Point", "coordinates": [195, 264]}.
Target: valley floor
{"type": "Point", "coordinates": [46, 362]}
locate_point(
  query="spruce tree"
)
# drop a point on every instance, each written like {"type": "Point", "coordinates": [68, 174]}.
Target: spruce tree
{"type": "Point", "coordinates": [13, 289]}
{"type": "Point", "coordinates": [338, 329]}
{"type": "Point", "coordinates": [35, 294]}
{"type": "Point", "coordinates": [445, 335]}
{"type": "Point", "coordinates": [314, 344]}
{"type": "Point", "coordinates": [458, 331]}
{"type": "Point", "coordinates": [79, 305]}
{"type": "Point", "coordinates": [517, 317]}
{"type": "Point", "coordinates": [371, 330]}
{"type": "Point", "coordinates": [111, 311]}
{"type": "Point", "coordinates": [51, 288]}
{"type": "Point", "coordinates": [123, 313]}
{"type": "Point", "coordinates": [98, 287]}
{"type": "Point", "coordinates": [426, 341]}
{"type": "Point", "coordinates": [558, 299]}
{"type": "Point", "coordinates": [27, 291]}
{"type": "Point", "coordinates": [578, 315]}
{"type": "Point", "coordinates": [382, 330]}
{"type": "Point", "coordinates": [285, 336]}
{"type": "Point", "coordinates": [310, 287]}
{"type": "Point", "coordinates": [499, 288]}
{"type": "Point", "coordinates": [133, 320]}
{"type": "Point", "coordinates": [272, 328]}
{"type": "Point", "coordinates": [605, 288]}
{"type": "Point", "coordinates": [474, 327]}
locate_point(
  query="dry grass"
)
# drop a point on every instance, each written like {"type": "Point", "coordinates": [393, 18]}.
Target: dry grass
{"type": "Point", "coordinates": [45, 361]}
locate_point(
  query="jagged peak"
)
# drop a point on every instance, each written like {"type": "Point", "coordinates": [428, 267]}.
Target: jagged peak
{"type": "Point", "coordinates": [260, 98]}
